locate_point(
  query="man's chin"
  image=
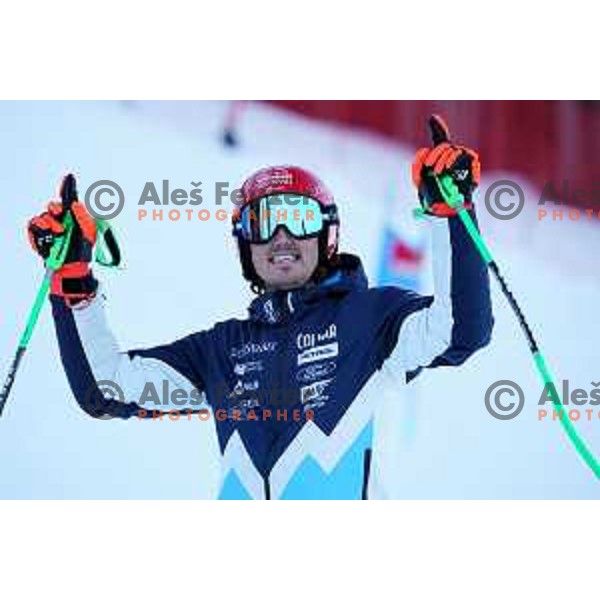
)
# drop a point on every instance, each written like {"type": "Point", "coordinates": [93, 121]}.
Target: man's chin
{"type": "Point", "coordinates": [286, 283]}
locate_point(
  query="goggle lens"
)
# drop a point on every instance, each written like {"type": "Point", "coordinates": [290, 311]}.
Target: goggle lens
{"type": "Point", "coordinates": [302, 216]}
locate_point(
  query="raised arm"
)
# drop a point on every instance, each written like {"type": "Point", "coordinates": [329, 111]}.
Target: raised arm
{"type": "Point", "coordinates": [91, 357]}
{"type": "Point", "coordinates": [458, 318]}
{"type": "Point", "coordinates": [89, 350]}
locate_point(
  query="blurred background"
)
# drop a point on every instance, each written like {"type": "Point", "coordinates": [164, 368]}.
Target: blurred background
{"type": "Point", "coordinates": [182, 276]}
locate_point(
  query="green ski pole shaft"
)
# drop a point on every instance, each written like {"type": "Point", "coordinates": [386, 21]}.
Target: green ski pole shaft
{"type": "Point", "coordinates": [25, 337]}
{"type": "Point", "coordinates": [455, 200]}
{"type": "Point", "coordinates": [32, 320]}
{"type": "Point", "coordinates": [53, 263]}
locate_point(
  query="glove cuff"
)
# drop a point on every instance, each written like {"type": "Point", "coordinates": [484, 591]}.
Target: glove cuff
{"type": "Point", "coordinates": [442, 210]}
{"type": "Point", "coordinates": [74, 282]}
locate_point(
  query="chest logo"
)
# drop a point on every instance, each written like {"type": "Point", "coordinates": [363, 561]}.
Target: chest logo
{"type": "Point", "coordinates": [304, 341]}
{"type": "Point", "coordinates": [312, 372]}
{"type": "Point", "coordinates": [252, 348]}
{"type": "Point", "coordinates": [241, 369]}
{"type": "Point", "coordinates": [318, 353]}
{"type": "Point", "coordinates": [313, 395]}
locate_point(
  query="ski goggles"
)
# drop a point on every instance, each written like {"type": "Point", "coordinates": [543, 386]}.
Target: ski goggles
{"type": "Point", "coordinates": [302, 216]}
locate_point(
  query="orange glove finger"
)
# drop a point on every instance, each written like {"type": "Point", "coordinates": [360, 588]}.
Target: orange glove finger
{"type": "Point", "coordinates": [420, 156]}
{"type": "Point", "coordinates": [45, 221]}
{"type": "Point", "coordinates": [450, 160]}
{"type": "Point", "coordinates": [85, 221]}
{"type": "Point", "coordinates": [435, 153]}
{"type": "Point", "coordinates": [417, 166]}
{"type": "Point", "coordinates": [443, 160]}
{"type": "Point", "coordinates": [42, 222]}
{"type": "Point", "coordinates": [55, 208]}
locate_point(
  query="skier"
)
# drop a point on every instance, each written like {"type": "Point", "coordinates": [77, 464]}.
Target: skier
{"type": "Point", "coordinates": [332, 346]}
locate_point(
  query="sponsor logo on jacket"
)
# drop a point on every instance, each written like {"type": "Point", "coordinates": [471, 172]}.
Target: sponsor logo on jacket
{"type": "Point", "coordinates": [240, 369]}
{"type": "Point", "coordinates": [240, 410]}
{"type": "Point", "coordinates": [270, 312]}
{"type": "Point", "coordinates": [312, 372]}
{"type": "Point", "coordinates": [310, 340]}
{"type": "Point", "coordinates": [318, 353]}
{"type": "Point", "coordinates": [252, 348]}
{"type": "Point", "coordinates": [243, 386]}
{"type": "Point", "coordinates": [313, 395]}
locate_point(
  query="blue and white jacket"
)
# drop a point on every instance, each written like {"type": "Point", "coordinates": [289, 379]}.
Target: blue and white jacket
{"type": "Point", "coordinates": [293, 389]}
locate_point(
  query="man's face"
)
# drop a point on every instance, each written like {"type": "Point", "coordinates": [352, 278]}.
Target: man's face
{"type": "Point", "coordinates": [285, 263]}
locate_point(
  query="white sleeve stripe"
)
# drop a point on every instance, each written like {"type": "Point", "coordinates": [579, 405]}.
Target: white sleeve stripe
{"type": "Point", "coordinates": [107, 362]}
{"type": "Point", "coordinates": [427, 333]}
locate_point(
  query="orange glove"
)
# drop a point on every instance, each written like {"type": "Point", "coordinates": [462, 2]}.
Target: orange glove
{"type": "Point", "coordinates": [74, 280]}
{"type": "Point", "coordinates": [460, 162]}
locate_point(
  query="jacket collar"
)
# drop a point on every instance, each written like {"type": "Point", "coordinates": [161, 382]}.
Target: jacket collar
{"type": "Point", "coordinates": [277, 307]}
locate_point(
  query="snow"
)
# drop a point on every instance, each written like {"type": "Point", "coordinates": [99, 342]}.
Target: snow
{"type": "Point", "coordinates": [183, 276]}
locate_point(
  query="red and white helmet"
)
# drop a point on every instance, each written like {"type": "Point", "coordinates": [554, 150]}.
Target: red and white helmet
{"type": "Point", "coordinates": [287, 179]}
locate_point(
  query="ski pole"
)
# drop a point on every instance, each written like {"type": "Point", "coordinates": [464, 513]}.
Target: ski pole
{"type": "Point", "coordinates": [454, 198]}
{"type": "Point", "coordinates": [54, 262]}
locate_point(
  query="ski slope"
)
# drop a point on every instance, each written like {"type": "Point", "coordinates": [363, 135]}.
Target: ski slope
{"type": "Point", "coordinates": [183, 276]}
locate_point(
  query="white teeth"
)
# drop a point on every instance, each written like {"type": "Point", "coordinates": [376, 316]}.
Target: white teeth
{"type": "Point", "coordinates": [281, 258]}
